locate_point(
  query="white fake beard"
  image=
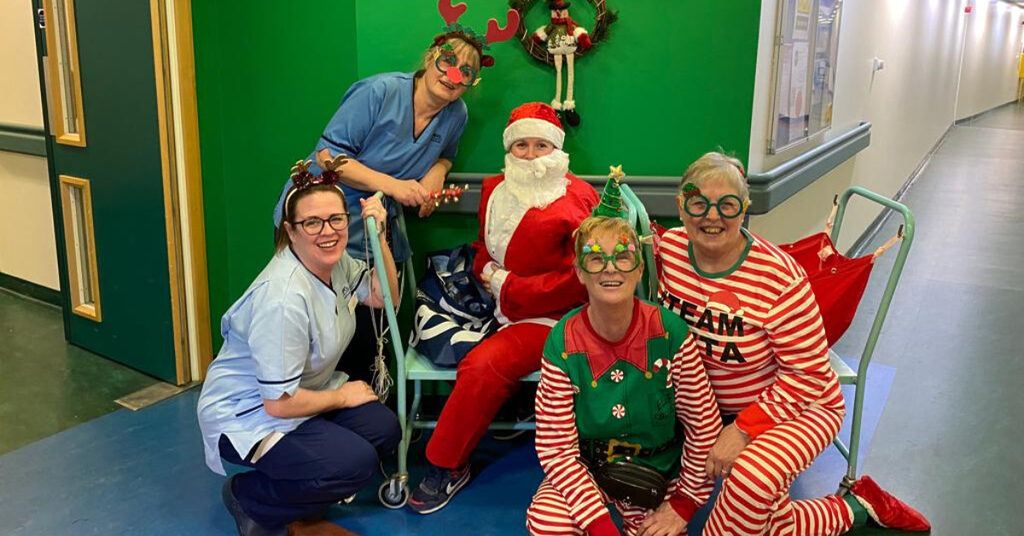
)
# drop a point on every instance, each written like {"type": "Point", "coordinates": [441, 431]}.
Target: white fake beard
{"type": "Point", "coordinates": [539, 182]}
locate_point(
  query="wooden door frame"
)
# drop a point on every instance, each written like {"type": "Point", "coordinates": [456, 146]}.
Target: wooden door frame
{"type": "Point", "coordinates": [174, 67]}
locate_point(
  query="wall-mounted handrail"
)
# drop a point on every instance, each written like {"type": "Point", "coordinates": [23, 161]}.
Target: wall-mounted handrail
{"type": "Point", "coordinates": [770, 188]}
{"type": "Point", "coordinates": [767, 189]}
{"type": "Point", "coordinates": [22, 139]}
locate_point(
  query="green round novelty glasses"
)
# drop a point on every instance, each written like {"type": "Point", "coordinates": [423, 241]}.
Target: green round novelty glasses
{"type": "Point", "coordinates": [697, 206]}
{"type": "Point", "coordinates": [623, 261]}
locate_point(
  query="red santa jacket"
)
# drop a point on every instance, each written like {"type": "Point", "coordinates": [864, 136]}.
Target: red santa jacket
{"type": "Point", "coordinates": [539, 257]}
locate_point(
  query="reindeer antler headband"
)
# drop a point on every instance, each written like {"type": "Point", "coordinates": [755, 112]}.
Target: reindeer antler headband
{"type": "Point", "coordinates": [302, 179]}
{"type": "Point", "coordinates": [495, 34]}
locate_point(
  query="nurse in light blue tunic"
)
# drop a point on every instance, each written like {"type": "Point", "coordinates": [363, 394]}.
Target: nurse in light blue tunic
{"type": "Point", "coordinates": [272, 399]}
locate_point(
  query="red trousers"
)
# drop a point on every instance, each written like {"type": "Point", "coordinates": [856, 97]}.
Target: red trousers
{"type": "Point", "coordinates": [486, 378]}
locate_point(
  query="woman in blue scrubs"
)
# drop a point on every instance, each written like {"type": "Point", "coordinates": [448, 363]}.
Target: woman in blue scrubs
{"type": "Point", "coordinates": [400, 132]}
{"type": "Point", "coordinates": [272, 399]}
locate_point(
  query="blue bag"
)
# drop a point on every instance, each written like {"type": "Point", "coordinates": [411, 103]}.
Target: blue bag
{"type": "Point", "coordinates": [453, 311]}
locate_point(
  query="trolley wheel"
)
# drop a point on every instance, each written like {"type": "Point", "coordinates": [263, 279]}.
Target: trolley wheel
{"type": "Point", "coordinates": [393, 494]}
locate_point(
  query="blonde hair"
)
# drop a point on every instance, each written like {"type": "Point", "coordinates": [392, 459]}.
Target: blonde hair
{"type": "Point", "coordinates": [716, 165]}
{"type": "Point", "coordinates": [461, 48]}
{"type": "Point", "coordinates": [596, 224]}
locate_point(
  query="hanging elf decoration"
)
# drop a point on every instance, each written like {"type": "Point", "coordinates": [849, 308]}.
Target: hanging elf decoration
{"type": "Point", "coordinates": [559, 42]}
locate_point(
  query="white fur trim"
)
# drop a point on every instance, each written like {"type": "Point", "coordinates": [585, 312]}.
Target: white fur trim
{"type": "Point", "coordinates": [504, 213]}
{"type": "Point", "coordinates": [531, 127]}
{"type": "Point", "coordinates": [867, 506]}
{"type": "Point", "coordinates": [497, 281]}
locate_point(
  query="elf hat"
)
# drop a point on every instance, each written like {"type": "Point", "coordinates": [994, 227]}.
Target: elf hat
{"type": "Point", "coordinates": [534, 120]}
{"type": "Point", "coordinates": [558, 4]}
{"type": "Point", "coordinates": [611, 198]}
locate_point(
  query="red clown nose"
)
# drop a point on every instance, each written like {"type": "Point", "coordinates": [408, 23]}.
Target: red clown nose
{"type": "Point", "coordinates": [453, 74]}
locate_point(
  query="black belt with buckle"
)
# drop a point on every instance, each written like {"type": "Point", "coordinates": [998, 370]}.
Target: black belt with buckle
{"type": "Point", "coordinates": [595, 449]}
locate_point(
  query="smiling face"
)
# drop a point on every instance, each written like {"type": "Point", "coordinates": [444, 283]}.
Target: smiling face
{"type": "Point", "coordinates": [609, 286]}
{"type": "Point", "coordinates": [318, 252]}
{"type": "Point", "coordinates": [711, 234]}
{"type": "Point", "coordinates": [445, 71]}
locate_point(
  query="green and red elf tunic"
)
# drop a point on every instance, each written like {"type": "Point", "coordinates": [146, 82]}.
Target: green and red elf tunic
{"type": "Point", "coordinates": [633, 390]}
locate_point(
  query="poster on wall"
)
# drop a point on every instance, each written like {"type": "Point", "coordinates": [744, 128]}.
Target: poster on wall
{"type": "Point", "coordinates": [805, 57]}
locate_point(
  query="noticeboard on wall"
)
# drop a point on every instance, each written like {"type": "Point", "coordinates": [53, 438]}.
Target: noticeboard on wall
{"type": "Point", "coordinates": [806, 46]}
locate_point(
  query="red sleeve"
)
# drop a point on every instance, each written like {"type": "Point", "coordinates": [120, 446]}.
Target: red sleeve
{"type": "Point", "coordinates": [557, 290]}
{"type": "Point", "coordinates": [697, 409]}
{"type": "Point", "coordinates": [482, 257]}
{"type": "Point", "coordinates": [558, 451]}
{"type": "Point", "coordinates": [805, 377]}
{"type": "Point", "coordinates": [584, 42]}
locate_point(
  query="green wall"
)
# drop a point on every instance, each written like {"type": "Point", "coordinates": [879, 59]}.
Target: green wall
{"type": "Point", "coordinates": [673, 80]}
{"type": "Point", "coordinates": [266, 85]}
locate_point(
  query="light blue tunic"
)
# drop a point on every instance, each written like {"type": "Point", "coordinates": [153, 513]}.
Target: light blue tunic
{"type": "Point", "coordinates": [287, 331]}
{"type": "Point", "coordinates": [374, 125]}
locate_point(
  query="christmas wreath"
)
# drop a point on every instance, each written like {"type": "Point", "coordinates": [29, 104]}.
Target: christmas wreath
{"type": "Point", "coordinates": [604, 19]}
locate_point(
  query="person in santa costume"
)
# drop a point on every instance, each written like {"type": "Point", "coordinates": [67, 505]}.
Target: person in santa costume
{"type": "Point", "coordinates": [619, 377]}
{"type": "Point", "coordinates": [763, 344]}
{"type": "Point", "coordinates": [524, 256]}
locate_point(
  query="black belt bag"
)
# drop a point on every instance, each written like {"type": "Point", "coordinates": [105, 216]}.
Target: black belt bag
{"type": "Point", "coordinates": [631, 483]}
{"type": "Point", "coordinates": [621, 478]}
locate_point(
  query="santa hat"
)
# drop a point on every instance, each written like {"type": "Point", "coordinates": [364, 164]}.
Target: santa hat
{"type": "Point", "coordinates": [534, 120]}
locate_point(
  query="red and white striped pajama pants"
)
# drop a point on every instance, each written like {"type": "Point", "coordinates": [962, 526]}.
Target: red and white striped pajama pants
{"type": "Point", "coordinates": [754, 499]}
{"type": "Point", "coordinates": [549, 513]}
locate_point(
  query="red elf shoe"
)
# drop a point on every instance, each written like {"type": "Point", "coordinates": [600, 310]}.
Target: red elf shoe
{"type": "Point", "coordinates": [886, 510]}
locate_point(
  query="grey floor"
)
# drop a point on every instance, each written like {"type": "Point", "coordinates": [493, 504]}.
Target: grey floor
{"type": "Point", "coordinates": [949, 439]}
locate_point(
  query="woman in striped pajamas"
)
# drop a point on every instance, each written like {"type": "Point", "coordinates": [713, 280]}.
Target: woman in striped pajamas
{"type": "Point", "coordinates": [762, 341]}
{"type": "Point", "coordinates": [617, 377]}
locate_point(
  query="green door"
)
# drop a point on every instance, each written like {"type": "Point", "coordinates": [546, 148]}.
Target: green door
{"type": "Point", "coordinates": [106, 139]}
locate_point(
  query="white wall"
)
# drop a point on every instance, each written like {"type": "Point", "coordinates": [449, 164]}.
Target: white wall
{"type": "Point", "coordinates": [991, 57]}
{"type": "Point", "coordinates": [27, 243]}
{"type": "Point", "coordinates": [910, 103]}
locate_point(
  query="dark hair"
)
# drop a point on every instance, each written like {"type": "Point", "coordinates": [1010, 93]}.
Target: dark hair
{"type": "Point", "coordinates": [281, 239]}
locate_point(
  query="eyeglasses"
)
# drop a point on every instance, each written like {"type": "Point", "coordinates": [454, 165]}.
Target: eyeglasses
{"type": "Point", "coordinates": [623, 261]}
{"type": "Point", "coordinates": [697, 206]}
{"type": "Point", "coordinates": [313, 226]}
{"type": "Point", "coordinates": [446, 61]}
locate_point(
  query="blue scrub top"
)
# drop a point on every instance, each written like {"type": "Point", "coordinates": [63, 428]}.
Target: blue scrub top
{"type": "Point", "coordinates": [287, 331]}
{"type": "Point", "coordinates": [374, 125]}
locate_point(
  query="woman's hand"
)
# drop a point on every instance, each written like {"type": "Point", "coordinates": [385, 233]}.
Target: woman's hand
{"type": "Point", "coordinates": [354, 394]}
{"type": "Point", "coordinates": [663, 522]}
{"type": "Point", "coordinates": [730, 444]}
{"type": "Point", "coordinates": [432, 182]}
{"type": "Point", "coordinates": [408, 193]}
{"type": "Point", "coordinates": [372, 207]}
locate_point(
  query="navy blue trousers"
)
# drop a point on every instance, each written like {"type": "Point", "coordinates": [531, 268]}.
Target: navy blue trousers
{"type": "Point", "coordinates": [327, 458]}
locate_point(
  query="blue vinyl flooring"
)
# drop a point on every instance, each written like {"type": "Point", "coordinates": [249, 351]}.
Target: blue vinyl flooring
{"type": "Point", "coordinates": [143, 473]}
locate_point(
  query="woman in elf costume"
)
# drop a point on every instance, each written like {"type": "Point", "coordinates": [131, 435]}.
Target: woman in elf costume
{"type": "Point", "coordinates": [618, 377]}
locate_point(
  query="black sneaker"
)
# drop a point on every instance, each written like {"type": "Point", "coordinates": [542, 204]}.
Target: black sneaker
{"type": "Point", "coordinates": [437, 488]}
{"type": "Point", "coordinates": [246, 525]}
